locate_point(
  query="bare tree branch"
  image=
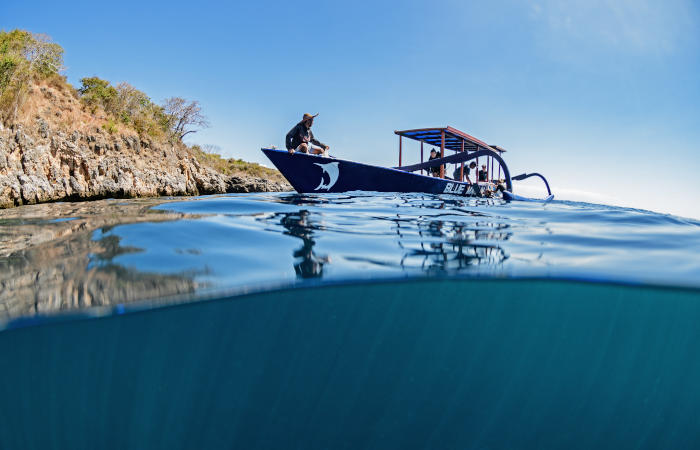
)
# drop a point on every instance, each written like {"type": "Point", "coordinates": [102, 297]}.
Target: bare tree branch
{"type": "Point", "coordinates": [184, 117]}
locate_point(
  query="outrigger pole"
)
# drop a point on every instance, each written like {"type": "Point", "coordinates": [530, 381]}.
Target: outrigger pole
{"type": "Point", "coordinates": [522, 176]}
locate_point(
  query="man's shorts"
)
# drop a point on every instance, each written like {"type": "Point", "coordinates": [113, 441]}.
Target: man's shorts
{"type": "Point", "coordinates": [310, 146]}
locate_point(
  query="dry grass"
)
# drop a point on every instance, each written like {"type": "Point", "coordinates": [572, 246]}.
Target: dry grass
{"type": "Point", "coordinates": [57, 102]}
{"type": "Point", "coordinates": [232, 166]}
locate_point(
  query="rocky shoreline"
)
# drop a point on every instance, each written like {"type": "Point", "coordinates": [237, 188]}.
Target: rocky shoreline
{"type": "Point", "coordinates": [39, 164]}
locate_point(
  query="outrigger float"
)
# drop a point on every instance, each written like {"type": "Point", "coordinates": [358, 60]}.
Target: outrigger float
{"type": "Point", "coordinates": [312, 174]}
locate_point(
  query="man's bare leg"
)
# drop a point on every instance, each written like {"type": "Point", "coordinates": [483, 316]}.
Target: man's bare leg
{"type": "Point", "coordinates": [319, 151]}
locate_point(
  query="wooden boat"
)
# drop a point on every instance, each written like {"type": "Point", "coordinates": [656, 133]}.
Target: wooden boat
{"type": "Point", "coordinates": [311, 173]}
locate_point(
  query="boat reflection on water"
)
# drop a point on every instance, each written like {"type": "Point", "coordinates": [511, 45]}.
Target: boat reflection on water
{"type": "Point", "coordinates": [307, 264]}
{"type": "Point", "coordinates": [448, 246]}
{"type": "Point", "coordinates": [452, 238]}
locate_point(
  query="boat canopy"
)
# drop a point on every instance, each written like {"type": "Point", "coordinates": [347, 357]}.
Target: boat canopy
{"type": "Point", "coordinates": [451, 139]}
{"type": "Point", "coordinates": [454, 139]}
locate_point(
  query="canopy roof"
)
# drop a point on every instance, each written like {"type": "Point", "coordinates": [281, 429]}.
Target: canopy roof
{"type": "Point", "coordinates": [453, 139]}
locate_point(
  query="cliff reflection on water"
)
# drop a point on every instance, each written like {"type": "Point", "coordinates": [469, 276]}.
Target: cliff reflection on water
{"type": "Point", "coordinates": [49, 260]}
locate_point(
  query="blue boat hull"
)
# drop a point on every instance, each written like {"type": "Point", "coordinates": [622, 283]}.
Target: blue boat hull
{"type": "Point", "coordinates": [314, 174]}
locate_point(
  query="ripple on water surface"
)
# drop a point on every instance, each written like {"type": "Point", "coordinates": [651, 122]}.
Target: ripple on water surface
{"type": "Point", "coordinates": [74, 255]}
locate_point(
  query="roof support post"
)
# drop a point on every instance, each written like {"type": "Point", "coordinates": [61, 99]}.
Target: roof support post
{"type": "Point", "coordinates": [442, 152]}
{"type": "Point", "coordinates": [421, 153]}
{"type": "Point", "coordinates": [400, 140]}
{"type": "Point", "coordinates": [461, 169]}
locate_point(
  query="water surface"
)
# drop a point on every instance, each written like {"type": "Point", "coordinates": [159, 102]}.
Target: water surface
{"type": "Point", "coordinates": [74, 255]}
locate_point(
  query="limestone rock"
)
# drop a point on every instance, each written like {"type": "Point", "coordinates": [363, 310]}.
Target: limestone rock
{"type": "Point", "coordinates": [244, 184]}
{"type": "Point", "coordinates": [38, 164]}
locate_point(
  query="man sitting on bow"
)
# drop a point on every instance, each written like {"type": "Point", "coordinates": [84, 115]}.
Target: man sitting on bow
{"type": "Point", "coordinates": [301, 139]}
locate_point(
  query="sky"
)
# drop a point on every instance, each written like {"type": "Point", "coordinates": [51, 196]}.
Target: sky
{"type": "Point", "coordinates": [601, 96]}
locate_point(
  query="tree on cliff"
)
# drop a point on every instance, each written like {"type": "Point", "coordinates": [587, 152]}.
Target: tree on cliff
{"type": "Point", "coordinates": [24, 56]}
{"type": "Point", "coordinates": [183, 116]}
{"type": "Point", "coordinates": [125, 104]}
{"type": "Point", "coordinates": [96, 92]}
{"type": "Point", "coordinates": [175, 119]}
{"type": "Point", "coordinates": [27, 58]}
{"type": "Point", "coordinates": [135, 108]}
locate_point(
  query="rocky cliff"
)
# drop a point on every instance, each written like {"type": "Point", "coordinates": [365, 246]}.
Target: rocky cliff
{"type": "Point", "coordinates": [57, 149]}
{"type": "Point", "coordinates": [40, 164]}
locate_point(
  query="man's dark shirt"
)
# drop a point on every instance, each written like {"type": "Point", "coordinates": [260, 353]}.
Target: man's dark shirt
{"type": "Point", "coordinates": [466, 173]}
{"type": "Point", "coordinates": [300, 134]}
{"type": "Point", "coordinates": [483, 175]}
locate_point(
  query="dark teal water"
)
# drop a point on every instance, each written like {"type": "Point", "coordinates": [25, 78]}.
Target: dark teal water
{"type": "Point", "coordinates": [370, 322]}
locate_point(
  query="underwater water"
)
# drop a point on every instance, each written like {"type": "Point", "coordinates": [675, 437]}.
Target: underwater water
{"type": "Point", "coordinates": [348, 321]}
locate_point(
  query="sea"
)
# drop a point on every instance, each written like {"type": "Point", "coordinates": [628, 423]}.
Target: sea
{"type": "Point", "coordinates": [354, 320]}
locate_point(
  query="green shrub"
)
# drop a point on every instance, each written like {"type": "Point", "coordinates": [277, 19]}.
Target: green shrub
{"type": "Point", "coordinates": [110, 127]}
{"type": "Point", "coordinates": [24, 56]}
{"type": "Point", "coordinates": [95, 92]}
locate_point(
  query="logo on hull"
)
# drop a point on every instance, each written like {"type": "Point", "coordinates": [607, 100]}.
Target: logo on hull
{"type": "Point", "coordinates": [332, 170]}
{"type": "Point", "coordinates": [459, 189]}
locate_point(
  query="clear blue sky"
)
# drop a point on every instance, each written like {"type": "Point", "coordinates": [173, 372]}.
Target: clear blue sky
{"type": "Point", "coordinates": [603, 96]}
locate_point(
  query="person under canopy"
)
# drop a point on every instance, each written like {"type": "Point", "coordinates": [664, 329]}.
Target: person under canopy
{"type": "Point", "coordinates": [435, 170]}
{"type": "Point", "coordinates": [467, 170]}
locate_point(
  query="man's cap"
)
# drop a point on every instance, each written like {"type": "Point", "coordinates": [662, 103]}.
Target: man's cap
{"type": "Point", "coordinates": [433, 150]}
{"type": "Point", "coordinates": [308, 116]}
